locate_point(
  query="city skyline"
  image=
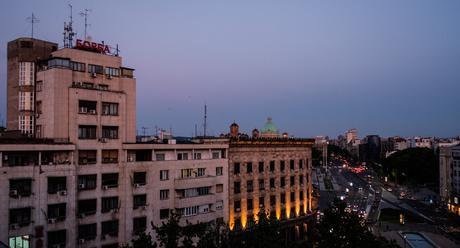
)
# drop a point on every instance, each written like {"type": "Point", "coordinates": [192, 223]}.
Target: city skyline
{"type": "Point", "coordinates": [315, 68]}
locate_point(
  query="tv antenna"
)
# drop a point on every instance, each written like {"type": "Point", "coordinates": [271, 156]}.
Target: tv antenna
{"type": "Point", "coordinates": [143, 130]}
{"type": "Point", "coordinates": [205, 120]}
{"type": "Point", "coordinates": [85, 14]}
{"type": "Point", "coordinates": [32, 20]}
{"type": "Point", "coordinates": [68, 31]}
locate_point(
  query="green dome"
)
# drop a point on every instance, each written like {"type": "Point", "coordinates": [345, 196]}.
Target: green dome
{"type": "Point", "coordinates": [270, 127]}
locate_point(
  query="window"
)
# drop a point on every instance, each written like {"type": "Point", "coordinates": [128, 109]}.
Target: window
{"type": "Point", "coordinates": [87, 157]}
{"type": "Point", "coordinates": [109, 203]}
{"type": "Point", "coordinates": [215, 155]}
{"type": "Point", "coordinates": [261, 184]}
{"type": "Point", "coordinates": [201, 172]}
{"type": "Point", "coordinates": [87, 85]}
{"type": "Point", "coordinates": [261, 166]}
{"type": "Point", "coordinates": [182, 156]}
{"type": "Point", "coordinates": [56, 184]}
{"type": "Point", "coordinates": [159, 156]}
{"type": "Point", "coordinates": [109, 180]}
{"type": "Point", "coordinates": [164, 213]}
{"type": "Point", "coordinates": [164, 194]}
{"type": "Point", "coordinates": [139, 201]}
{"type": "Point", "coordinates": [87, 107]}
{"type": "Point", "coordinates": [164, 175]}
{"type": "Point", "coordinates": [98, 69]}
{"type": "Point", "coordinates": [87, 207]}
{"type": "Point", "coordinates": [283, 198]}
{"type": "Point", "coordinates": [236, 187]}
{"type": "Point", "coordinates": [272, 200]}
{"type": "Point", "coordinates": [219, 188]}
{"type": "Point", "coordinates": [249, 186]}
{"type": "Point", "coordinates": [56, 239]}
{"type": "Point", "coordinates": [190, 211]}
{"type": "Point", "coordinates": [39, 86]}
{"type": "Point", "coordinates": [292, 196]}
{"type": "Point", "coordinates": [282, 165]}
{"type": "Point", "coordinates": [114, 72]}
{"type": "Point", "coordinates": [236, 168]}
{"type": "Point", "coordinates": [292, 180]}
{"type": "Point", "coordinates": [20, 216]}
{"type": "Point", "coordinates": [272, 166]}
{"type": "Point", "coordinates": [197, 156]}
{"type": "Point", "coordinates": [110, 132]}
{"type": "Point", "coordinates": [261, 202]}
{"type": "Point", "coordinates": [56, 212]}
{"type": "Point", "coordinates": [249, 204]}
{"type": "Point", "coordinates": [301, 163]}
{"type": "Point", "coordinates": [59, 63]}
{"type": "Point", "coordinates": [139, 224]}
{"type": "Point", "coordinates": [192, 192]}
{"type": "Point", "coordinates": [109, 228]}
{"type": "Point", "coordinates": [76, 66]}
{"type": "Point", "coordinates": [301, 195]}
{"type": "Point", "coordinates": [282, 182]}
{"type": "Point", "coordinates": [219, 205]}
{"type": "Point", "coordinates": [86, 132]}
{"type": "Point", "coordinates": [301, 180]}
{"type": "Point", "coordinates": [291, 162]}
{"type": "Point", "coordinates": [103, 87]}
{"type": "Point", "coordinates": [219, 171]}
{"type": "Point", "coordinates": [237, 206]}
{"type": "Point", "coordinates": [126, 72]}
{"type": "Point", "coordinates": [249, 167]}
{"type": "Point", "coordinates": [38, 105]}
{"type": "Point", "coordinates": [87, 232]}
{"type": "Point", "coordinates": [139, 178]}
{"type": "Point", "coordinates": [272, 183]}
{"type": "Point", "coordinates": [109, 108]}
{"type": "Point", "coordinates": [20, 187]}
{"type": "Point", "coordinates": [109, 156]}
{"type": "Point", "coordinates": [86, 182]}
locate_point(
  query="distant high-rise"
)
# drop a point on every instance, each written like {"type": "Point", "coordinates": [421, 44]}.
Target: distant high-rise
{"type": "Point", "coordinates": [23, 53]}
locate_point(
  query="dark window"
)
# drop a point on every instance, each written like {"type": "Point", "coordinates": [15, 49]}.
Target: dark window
{"type": "Point", "coordinates": [109, 203]}
{"type": "Point", "coordinates": [98, 69]}
{"type": "Point", "coordinates": [261, 184]}
{"type": "Point", "coordinates": [139, 201]}
{"type": "Point", "coordinates": [20, 158]}
{"type": "Point", "coordinates": [292, 196]}
{"type": "Point", "coordinates": [87, 207]}
{"type": "Point", "coordinates": [126, 72]}
{"type": "Point", "coordinates": [86, 132]}
{"type": "Point", "coordinates": [272, 166]}
{"type": "Point", "coordinates": [237, 206]}
{"type": "Point", "coordinates": [261, 202]}
{"type": "Point", "coordinates": [20, 187]}
{"type": "Point", "coordinates": [292, 180]}
{"type": "Point", "coordinates": [250, 204]}
{"type": "Point", "coordinates": [236, 187]}
{"type": "Point", "coordinates": [272, 200]}
{"type": "Point", "coordinates": [301, 164]}
{"type": "Point", "coordinates": [57, 238]}
{"type": "Point", "coordinates": [110, 180]}
{"type": "Point", "coordinates": [109, 156]}
{"type": "Point", "coordinates": [249, 186]}
{"type": "Point", "coordinates": [110, 132]}
{"type": "Point", "coordinates": [86, 182]}
{"type": "Point", "coordinates": [109, 228]}
{"type": "Point", "coordinates": [236, 168]}
{"type": "Point", "coordinates": [283, 198]}
{"type": "Point", "coordinates": [292, 164]}
{"type": "Point", "coordinates": [301, 195]}
{"type": "Point", "coordinates": [115, 245]}
{"type": "Point", "coordinates": [26, 44]}
{"type": "Point", "coordinates": [57, 211]}
{"type": "Point", "coordinates": [87, 157]}
{"type": "Point", "coordinates": [139, 224]}
{"type": "Point", "coordinates": [164, 213]}
{"type": "Point", "coordinates": [282, 182]}
{"type": "Point", "coordinates": [139, 155]}
{"type": "Point", "coordinates": [103, 87]}
{"type": "Point", "coordinates": [249, 167]}
{"type": "Point", "coordinates": [109, 108]}
{"type": "Point", "coordinates": [140, 178]}
{"type": "Point", "coordinates": [59, 63]}
{"type": "Point", "coordinates": [20, 216]}
{"type": "Point", "coordinates": [272, 183]}
{"type": "Point", "coordinates": [261, 166]}
{"type": "Point", "coordinates": [301, 180]}
{"type": "Point", "coordinates": [282, 165]}
{"type": "Point", "coordinates": [87, 232]}
{"type": "Point", "coordinates": [76, 66]}
{"type": "Point", "coordinates": [182, 156]}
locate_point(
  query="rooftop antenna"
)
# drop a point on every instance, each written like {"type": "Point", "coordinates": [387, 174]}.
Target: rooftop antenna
{"type": "Point", "coordinates": [143, 130]}
{"type": "Point", "coordinates": [85, 14]}
{"type": "Point", "coordinates": [68, 31]}
{"type": "Point", "coordinates": [32, 19]}
{"type": "Point", "coordinates": [205, 120]}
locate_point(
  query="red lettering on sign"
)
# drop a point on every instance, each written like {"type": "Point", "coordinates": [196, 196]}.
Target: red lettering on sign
{"type": "Point", "coordinates": [92, 46]}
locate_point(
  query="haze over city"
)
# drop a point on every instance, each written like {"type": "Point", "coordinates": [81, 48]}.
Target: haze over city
{"type": "Point", "coordinates": [315, 67]}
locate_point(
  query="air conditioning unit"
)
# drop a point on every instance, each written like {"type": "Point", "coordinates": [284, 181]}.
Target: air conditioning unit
{"type": "Point", "coordinates": [103, 140]}
{"type": "Point", "coordinates": [238, 209]}
{"type": "Point", "coordinates": [137, 185]}
{"type": "Point", "coordinates": [81, 216]}
{"type": "Point", "coordinates": [81, 186]}
{"type": "Point", "coordinates": [13, 193]}
{"type": "Point", "coordinates": [109, 76]}
{"type": "Point", "coordinates": [83, 110]}
{"type": "Point", "coordinates": [261, 205]}
{"type": "Point", "coordinates": [115, 210]}
{"type": "Point", "coordinates": [144, 207]}
{"type": "Point", "coordinates": [14, 226]}
{"type": "Point", "coordinates": [51, 221]}
{"type": "Point", "coordinates": [105, 187]}
{"type": "Point", "coordinates": [92, 111]}
{"type": "Point", "coordinates": [63, 192]}
{"type": "Point", "coordinates": [93, 74]}
{"type": "Point", "coordinates": [81, 241]}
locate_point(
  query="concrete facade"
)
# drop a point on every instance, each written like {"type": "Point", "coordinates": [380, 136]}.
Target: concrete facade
{"type": "Point", "coordinates": [449, 177]}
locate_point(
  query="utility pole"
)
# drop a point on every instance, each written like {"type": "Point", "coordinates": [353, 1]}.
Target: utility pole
{"type": "Point", "coordinates": [32, 19]}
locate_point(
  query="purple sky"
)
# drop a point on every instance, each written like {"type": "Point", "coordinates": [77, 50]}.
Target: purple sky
{"type": "Point", "coordinates": [316, 67]}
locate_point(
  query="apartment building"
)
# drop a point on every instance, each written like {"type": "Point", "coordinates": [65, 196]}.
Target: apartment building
{"type": "Point", "coordinates": [449, 180]}
{"type": "Point", "coordinates": [272, 175]}
{"type": "Point", "coordinates": [84, 181]}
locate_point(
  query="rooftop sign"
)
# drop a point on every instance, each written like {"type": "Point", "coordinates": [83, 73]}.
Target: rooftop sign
{"type": "Point", "coordinates": [92, 46]}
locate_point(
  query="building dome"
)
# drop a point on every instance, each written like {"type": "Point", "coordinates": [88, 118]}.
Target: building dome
{"type": "Point", "coordinates": [269, 127]}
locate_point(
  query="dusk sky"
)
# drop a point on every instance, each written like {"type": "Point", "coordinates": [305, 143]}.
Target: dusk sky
{"type": "Point", "coordinates": [316, 67]}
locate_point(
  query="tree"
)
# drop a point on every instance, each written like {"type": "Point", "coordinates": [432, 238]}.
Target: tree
{"type": "Point", "coordinates": [143, 240]}
{"type": "Point", "coordinates": [169, 233]}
